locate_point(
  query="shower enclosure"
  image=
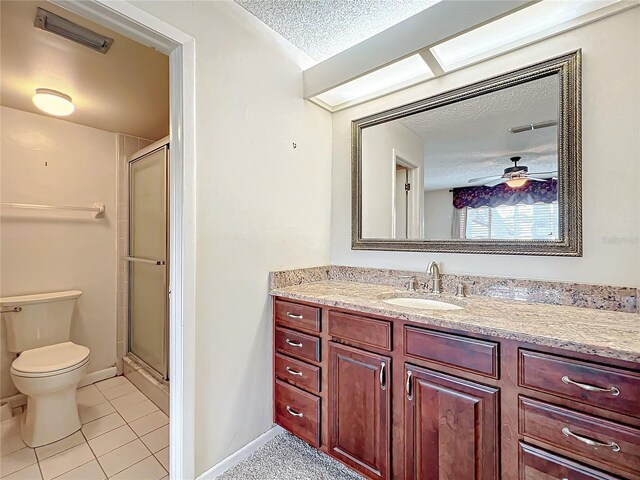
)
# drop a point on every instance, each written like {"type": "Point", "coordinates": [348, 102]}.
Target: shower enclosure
{"type": "Point", "coordinates": [148, 259]}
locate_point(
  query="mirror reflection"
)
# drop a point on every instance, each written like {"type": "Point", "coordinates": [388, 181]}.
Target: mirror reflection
{"type": "Point", "coordinates": [485, 168]}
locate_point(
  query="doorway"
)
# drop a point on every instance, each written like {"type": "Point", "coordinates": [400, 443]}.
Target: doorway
{"type": "Point", "coordinates": [143, 27]}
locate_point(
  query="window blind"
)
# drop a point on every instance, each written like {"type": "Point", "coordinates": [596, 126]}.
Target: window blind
{"type": "Point", "coordinates": [538, 221]}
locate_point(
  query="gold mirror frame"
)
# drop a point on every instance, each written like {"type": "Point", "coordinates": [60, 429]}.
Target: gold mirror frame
{"type": "Point", "coordinates": [568, 68]}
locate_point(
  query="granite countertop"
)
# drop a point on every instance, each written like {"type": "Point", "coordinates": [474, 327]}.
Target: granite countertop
{"type": "Point", "coordinates": [597, 332]}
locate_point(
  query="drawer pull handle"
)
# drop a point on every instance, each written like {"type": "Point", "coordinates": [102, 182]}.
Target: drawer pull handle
{"type": "Point", "coordinates": [383, 377]}
{"type": "Point", "coordinates": [612, 390]}
{"type": "Point", "coordinates": [294, 413]}
{"type": "Point", "coordinates": [293, 315]}
{"type": "Point", "coordinates": [592, 443]}
{"type": "Point", "coordinates": [294, 344]}
{"type": "Point", "coordinates": [293, 372]}
{"type": "Point", "coordinates": [408, 385]}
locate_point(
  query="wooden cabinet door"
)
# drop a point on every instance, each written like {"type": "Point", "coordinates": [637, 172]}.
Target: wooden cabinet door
{"type": "Point", "coordinates": [359, 409]}
{"type": "Point", "coordinates": [451, 427]}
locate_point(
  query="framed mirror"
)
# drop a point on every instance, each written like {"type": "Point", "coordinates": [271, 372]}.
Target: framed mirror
{"type": "Point", "coordinates": [492, 167]}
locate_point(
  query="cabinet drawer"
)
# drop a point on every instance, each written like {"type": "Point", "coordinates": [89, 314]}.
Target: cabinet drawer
{"type": "Point", "coordinates": [538, 464]}
{"type": "Point", "coordinates": [300, 373]}
{"type": "Point", "coordinates": [298, 412]}
{"type": "Point", "coordinates": [367, 332]}
{"type": "Point", "coordinates": [618, 445]}
{"type": "Point", "coordinates": [478, 356]}
{"type": "Point", "coordinates": [606, 387]}
{"type": "Point", "coordinates": [298, 344]}
{"type": "Point", "coordinates": [294, 315]}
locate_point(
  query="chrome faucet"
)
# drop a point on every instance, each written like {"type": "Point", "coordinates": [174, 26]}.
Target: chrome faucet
{"type": "Point", "coordinates": [433, 269]}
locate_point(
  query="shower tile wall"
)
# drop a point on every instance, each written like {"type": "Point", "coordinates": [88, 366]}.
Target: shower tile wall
{"type": "Point", "coordinates": [127, 146]}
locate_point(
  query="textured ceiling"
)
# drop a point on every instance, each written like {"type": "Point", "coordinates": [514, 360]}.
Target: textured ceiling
{"type": "Point", "coordinates": [125, 90]}
{"type": "Point", "coordinates": [471, 138]}
{"type": "Point", "coordinates": [322, 28]}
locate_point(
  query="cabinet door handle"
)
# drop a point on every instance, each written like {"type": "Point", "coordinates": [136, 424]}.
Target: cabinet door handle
{"type": "Point", "coordinates": [293, 372]}
{"type": "Point", "coordinates": [408, 385]}
{"type": "Point", "coordinates": [294, 413]}
{"type": "Point", "coordinates": [293, 315]}
{"type": "Point", "coordinates": [612, 390]}
{"type": "Point", "coordinates": [592, 443]}
{"type": "Point", "coordinates": [383, 377]}
{"type": "Point", "coordinates": [294, 344]}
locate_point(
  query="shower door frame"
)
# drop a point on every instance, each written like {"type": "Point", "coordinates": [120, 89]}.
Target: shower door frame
{"type": "Point", "coordinates": [140, 155]}
{"type": "Point", "coordinates": [135, 23]}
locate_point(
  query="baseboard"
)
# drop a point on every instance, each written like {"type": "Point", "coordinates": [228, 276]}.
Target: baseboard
{"type": "Point", "coordinates": [235, 458]}
{"type": "Point", "coordinates": [94, 377]}
{"type": "Point", "coordinates": [17, 400]}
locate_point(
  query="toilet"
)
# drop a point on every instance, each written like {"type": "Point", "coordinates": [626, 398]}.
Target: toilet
{"type": "Point", "coordinates": [49, 366]}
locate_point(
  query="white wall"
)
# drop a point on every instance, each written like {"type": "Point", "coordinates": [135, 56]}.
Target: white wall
{"type": "Point", "coordinates": [610, 145]}
{"type": "Point", "coordinates": [44, 251]}
{"type": "Point", "coordinates": [261, 205]}
{"type": "Point", "coordinates": [438, 211]}
{"type": "Point", "coordinates": [378, 143]}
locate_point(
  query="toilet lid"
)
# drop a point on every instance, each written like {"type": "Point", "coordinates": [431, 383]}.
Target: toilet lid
{"type": "Point", "coordinates": [51, 358]}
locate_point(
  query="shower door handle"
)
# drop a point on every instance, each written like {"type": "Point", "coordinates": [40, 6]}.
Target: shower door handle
{"type": "Point", "coordinates": [145, 260]}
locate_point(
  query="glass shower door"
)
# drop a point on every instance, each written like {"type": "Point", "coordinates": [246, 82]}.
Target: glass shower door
{"type": "Point", "coordinates": [148, 287]}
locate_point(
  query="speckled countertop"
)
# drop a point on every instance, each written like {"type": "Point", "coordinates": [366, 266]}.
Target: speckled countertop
{"type": "Point", "coordinates": [599, 332]}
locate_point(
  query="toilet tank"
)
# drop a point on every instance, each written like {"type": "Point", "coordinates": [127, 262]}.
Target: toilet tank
{"type": "Point", "coordinates": [44, 319]}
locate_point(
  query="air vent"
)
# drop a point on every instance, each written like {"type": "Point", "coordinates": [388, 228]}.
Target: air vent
{"type": "Point", "coordinates": [50, 22]}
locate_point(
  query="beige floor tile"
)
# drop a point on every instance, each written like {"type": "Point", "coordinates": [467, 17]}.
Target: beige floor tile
{"type": "Point", "coordinates": [89, 396]}
{"type": "Point", "coordinates": [59, 446]}
{"type": "Point", "coordinates": [163, 458]}
{"type": "Point", "coordinates": [148, 423]}
{"type": "Point", "coordinates": [111, 440]}
{"type": "Point", "coordinates": [128, 400]}
{"type": "Point", "coordinates": [89, 471]}
{"type": "Point", "coordinates": [123, 457]}
{"type": "Point", "coordinates": [111, 382]}
{"type": "Point", "coordinates": [89, 414]}
{"type": "Point", "coordinates": [147, 469]}
{"type": "Point", "coordinates": [10, 440]}
{"type": "Point", "coordinates": [119, 391]}
{"type": "Point", "coordinates": [32, 472]}
{"type": "Point", "coordinates": [17, 460]}
{"type": "Point", "coordinates": [134, 412]}
{"type": "Point", "coordinates": [66, 461]}
{"type": "Point", "coordinates": [102, 425]}
{"type": "Point", "coordinates": [157, 440]}
{"type": "Point", "coordinates": [11, 443]}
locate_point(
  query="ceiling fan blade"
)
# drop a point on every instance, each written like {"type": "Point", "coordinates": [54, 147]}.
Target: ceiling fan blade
{"type": "Point", "coordinates": [484, 179]}
{"type": "Point", "coordinates": [544, 174]}
{"type": "Point", "coordinates": [538, 179]}
{"type": "Point", "coordinates": [496, 182]}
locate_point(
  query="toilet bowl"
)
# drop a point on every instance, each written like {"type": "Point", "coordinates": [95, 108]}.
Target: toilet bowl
{"type": "Point", "coordinates": [49, 376]}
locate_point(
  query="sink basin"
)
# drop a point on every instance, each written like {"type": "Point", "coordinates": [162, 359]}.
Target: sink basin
{"type": "Point", "coordinates": [422, 303]}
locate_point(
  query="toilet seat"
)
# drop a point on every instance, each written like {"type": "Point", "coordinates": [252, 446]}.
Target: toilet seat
{"type": "Point", "coordinates": [50, 360]}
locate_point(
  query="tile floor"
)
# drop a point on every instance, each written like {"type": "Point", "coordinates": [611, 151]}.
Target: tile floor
{"type": "Point", "coordinates": [124, 436]}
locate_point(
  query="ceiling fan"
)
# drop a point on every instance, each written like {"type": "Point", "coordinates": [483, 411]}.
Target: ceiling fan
{"type": "Point", "coordinates": [515, 176]}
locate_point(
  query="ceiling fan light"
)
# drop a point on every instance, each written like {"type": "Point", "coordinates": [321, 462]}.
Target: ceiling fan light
{"type": "Point", "coordinates": [53, 102]}
{"type": "Point", "coordinates": [517, 182]}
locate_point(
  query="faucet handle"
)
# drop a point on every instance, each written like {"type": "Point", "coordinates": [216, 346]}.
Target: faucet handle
{"type": "Point", "coordinates": [411, 284]}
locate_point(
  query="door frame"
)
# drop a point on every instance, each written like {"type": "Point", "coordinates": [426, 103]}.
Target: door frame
{"type": "Point", "coordinates": [131, 21]}
{"type": "Point", "coordinates": [415, 199]}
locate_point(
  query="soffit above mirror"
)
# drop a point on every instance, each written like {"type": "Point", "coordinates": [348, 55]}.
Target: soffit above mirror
{"type": "Point", "coordinates": [322, 29]}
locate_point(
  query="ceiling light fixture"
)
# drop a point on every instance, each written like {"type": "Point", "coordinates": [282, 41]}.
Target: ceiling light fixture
{"type": "Point", "coordinates": [516, 182]}
{"type": "Point", "coordinates": [53, 102]}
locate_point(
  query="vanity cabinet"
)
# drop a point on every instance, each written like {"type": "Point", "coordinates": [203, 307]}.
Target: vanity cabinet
{"type": "Point", "coordinates": [402, 400]}
{"type": "Point", "coordinates": [359, 409]}
{"type": "Point", "coordinates": [451, 427]}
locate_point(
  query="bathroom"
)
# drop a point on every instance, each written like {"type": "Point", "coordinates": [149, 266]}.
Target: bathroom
{"type": "Point", "coordinates": [271, 215]}
{"type": "Point", "coordinates": [83, 200]}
